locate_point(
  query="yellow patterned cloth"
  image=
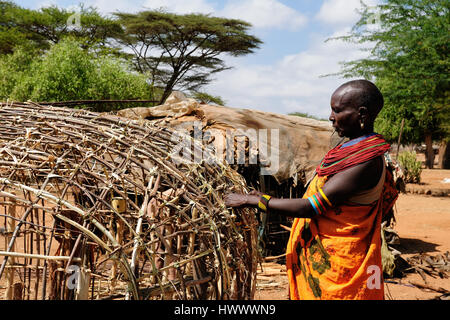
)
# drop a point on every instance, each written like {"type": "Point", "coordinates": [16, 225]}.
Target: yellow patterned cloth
{"type": "Point", "coordinates": [334, 255]}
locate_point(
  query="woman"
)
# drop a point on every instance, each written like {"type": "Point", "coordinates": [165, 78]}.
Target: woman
{"type": "Point", "coordinates": [334, 249]}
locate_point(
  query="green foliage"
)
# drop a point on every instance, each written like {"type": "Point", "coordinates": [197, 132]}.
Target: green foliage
{"type": "Point", "coordinates": [183, 51]}
{"type": "Point", "coordinates": [12, 69]}
{"type": "Point", "coordinates": [67, 72]}
{"type": "Point", "coordinates": [409, 63]}
{"type": "Point", "coordinates": [208, 99]}
{"type": "Point", "coordinates": [83, 61]}
{"type": "Point", "coordinates": [46, 26]}
{"type": "Point", "coordinates": [411, 166]}
{"type": "Point", "coordinates": [306, 115]}
{"type": "Point", "coordinates": [10, 34]}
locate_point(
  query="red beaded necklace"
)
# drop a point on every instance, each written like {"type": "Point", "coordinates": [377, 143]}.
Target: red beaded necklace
{"type": "Point", "coordinates": [340, 158]}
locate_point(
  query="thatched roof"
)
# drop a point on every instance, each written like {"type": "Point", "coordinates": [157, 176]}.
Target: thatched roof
{"type": "Point", "coordinates": [302, 141]}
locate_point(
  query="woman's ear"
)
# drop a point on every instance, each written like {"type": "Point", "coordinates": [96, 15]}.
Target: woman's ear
{"type": "Point", "coordinates": [363, 117]}
{"type": "Point", "coordinates": [363, 113]}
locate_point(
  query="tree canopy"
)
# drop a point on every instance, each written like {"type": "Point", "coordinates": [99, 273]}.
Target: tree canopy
{"type": "Point", "coordinates": [307, 115]}
{"type": "Point", "coordinates": [67, 72]}
{"type": "Point", "coordinates": [409, 63]}
{"type": "Point", "coordinates": [183, 51]}
{"type": "Point", "coordinates": [47, 54]}
{"type": "Point", "coordinates": [46, 26]}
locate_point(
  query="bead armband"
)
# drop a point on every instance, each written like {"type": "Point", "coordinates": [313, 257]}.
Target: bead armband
{"type": "Point", "coordinates": [319, 204]}
{"type": "Point", "coordinates": [263, 203]}
{"type": "Point", "coordinates": [325, 197]}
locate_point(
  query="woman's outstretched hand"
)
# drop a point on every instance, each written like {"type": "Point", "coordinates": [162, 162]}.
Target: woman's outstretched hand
{"type": "Point", "coordinates": [256, 193]}
{"type": "Point", "coordinates": [237, 200]}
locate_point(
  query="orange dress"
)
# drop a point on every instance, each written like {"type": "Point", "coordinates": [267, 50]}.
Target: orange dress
{"type": "Point", "coordinates": [337, 255]}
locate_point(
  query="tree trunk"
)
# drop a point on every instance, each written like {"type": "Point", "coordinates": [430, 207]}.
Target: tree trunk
{"type": "Point", "coordinates": [169, 86]}
{"type": "Point", "coordinates": [444, 155]}
{"type": "Point", "coordinates": [165, 95]}
{"type": "Point", "coordinates": [429, 152]}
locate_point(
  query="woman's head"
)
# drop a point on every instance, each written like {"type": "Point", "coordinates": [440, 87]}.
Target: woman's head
{"type": "Point", "coordinates": [354, 107]}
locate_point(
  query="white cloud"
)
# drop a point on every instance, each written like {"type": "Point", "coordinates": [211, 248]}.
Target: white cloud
{"type": "Point", "coordinates": [289, 84]}
{"type": "Point", "coordinates": [181, 7]}
{"type": "Point", "coordinates": [112, 6]}
{"type": "Point", "coordinates": [260, 13]}
{"type": "Point", "coordinates": [43, 4]}
{"type": "Point", "coordinates": [264, 14]}
{"type": "Point", "coordinates": [341, 12]}
{"type": "Point", "coordinates": [176, 6]}
{"type": "Point", "coordinates": [293, 83]}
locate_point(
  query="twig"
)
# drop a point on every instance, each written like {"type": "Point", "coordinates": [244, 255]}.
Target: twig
{"type": "Point", "coordinates": [429, 287]}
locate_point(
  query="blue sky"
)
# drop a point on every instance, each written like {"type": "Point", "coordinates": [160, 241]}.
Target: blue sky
{"type": "Point", "coordinates": [283, 76]}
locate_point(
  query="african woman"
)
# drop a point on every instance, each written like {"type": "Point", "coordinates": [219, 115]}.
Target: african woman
{"type": "Point", "coordinates": [334, 249]}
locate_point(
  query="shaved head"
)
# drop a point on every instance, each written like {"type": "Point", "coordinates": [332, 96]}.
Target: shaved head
{"type": "Point", "coordinates": [362, 93]}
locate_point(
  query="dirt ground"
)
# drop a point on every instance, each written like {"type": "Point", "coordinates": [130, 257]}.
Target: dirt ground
{"type": "Point", "coordinates": [423, 225]}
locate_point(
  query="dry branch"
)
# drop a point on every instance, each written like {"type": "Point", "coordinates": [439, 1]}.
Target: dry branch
{"type": "Point", "coordinates": [62, 169]}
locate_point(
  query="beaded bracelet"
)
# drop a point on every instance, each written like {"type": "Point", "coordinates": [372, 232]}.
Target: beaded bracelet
{"type": "Point", "coordinates": [263, 203]}
{"type": "Point", "coordinates": [325, 197]}
{"type": "Point", "coordinates": [316, 202]}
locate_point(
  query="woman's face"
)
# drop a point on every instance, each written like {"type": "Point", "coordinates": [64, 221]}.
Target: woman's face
{"type": "Point", "coordinates": [345, 116]}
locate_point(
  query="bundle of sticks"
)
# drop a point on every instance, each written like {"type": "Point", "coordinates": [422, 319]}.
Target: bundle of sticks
{"type": "Point", "coordinates": [94, 206]}
{"type": "Point", "coordinates": [436, 266]}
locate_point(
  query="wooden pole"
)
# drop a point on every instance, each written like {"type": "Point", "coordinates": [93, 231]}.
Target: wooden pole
{"type": "Point", "coordinates": [18, 291]}
{"type": "Point", "coordinates": [37, 256]}
{"type": "Point", "coordinates": [11, 225]}
{"type": "Point", "coordinates": [142, 213]}
{"type": "Point", "coordinates": [119, 204]}
{"type": "Point", "coordinates": [80, 102]}
{"type": "Point", "coordinates": [82, 290]}
{"type": "Point", "coordinates": [400, 137]}
{"type": "Point", "coordinates": [191, 245]}
{"type": "Point", "coordinates": [429, 152]}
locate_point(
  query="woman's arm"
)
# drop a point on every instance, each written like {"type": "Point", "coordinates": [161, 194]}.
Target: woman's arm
{"type": "Point", "coordinates": [298, 208]}
{"type": "Point", "coordinates": [337, 189]}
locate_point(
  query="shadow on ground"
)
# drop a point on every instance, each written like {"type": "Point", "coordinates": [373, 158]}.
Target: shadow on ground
{"type": "Point", "coordinates": [411, 246]}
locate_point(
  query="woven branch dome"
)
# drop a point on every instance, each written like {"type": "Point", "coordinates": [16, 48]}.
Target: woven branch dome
{"type": "Point", "coordinates": [93, 206]}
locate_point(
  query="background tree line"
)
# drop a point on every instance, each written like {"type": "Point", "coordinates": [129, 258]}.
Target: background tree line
{"type": "Point", "coordinates": [44, 56]}
{"type": "Point", "coordinates": [148, 54]}
{"type": "Point", "coordinates": [409, 63]}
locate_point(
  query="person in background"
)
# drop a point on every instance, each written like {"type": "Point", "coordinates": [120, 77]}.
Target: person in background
{"type": "Point", "coordinates": [334, 249]}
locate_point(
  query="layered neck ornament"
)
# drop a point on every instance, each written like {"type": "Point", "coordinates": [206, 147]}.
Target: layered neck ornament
{"type": "Point", "coordinates": [351, 153]}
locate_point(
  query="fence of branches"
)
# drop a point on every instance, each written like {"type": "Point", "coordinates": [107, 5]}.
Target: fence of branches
{"type": "Point", "coordinates": [94, 206]}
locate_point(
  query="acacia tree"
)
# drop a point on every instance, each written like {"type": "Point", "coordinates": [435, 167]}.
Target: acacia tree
{"type": "Point", "coordinates": [183, 51]}
{"type": "Point", "coordinates": [67, 72]}
{"type": "Point", "coordinates": [409, 62]}
{"type": "Point", "coordinates": [49, 25]}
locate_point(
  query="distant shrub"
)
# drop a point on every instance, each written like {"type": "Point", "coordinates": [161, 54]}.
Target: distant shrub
{"type": "Point", "coordinates": [411, 166]}
{"type": "Point", "coordinates": [13, 67]}
{"type": "Point", "coordinates": [67, 72]}
{"type": "Point", "coordinates": [306, 115]}
{"type": "Point", "coordinates": [208, 99]}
